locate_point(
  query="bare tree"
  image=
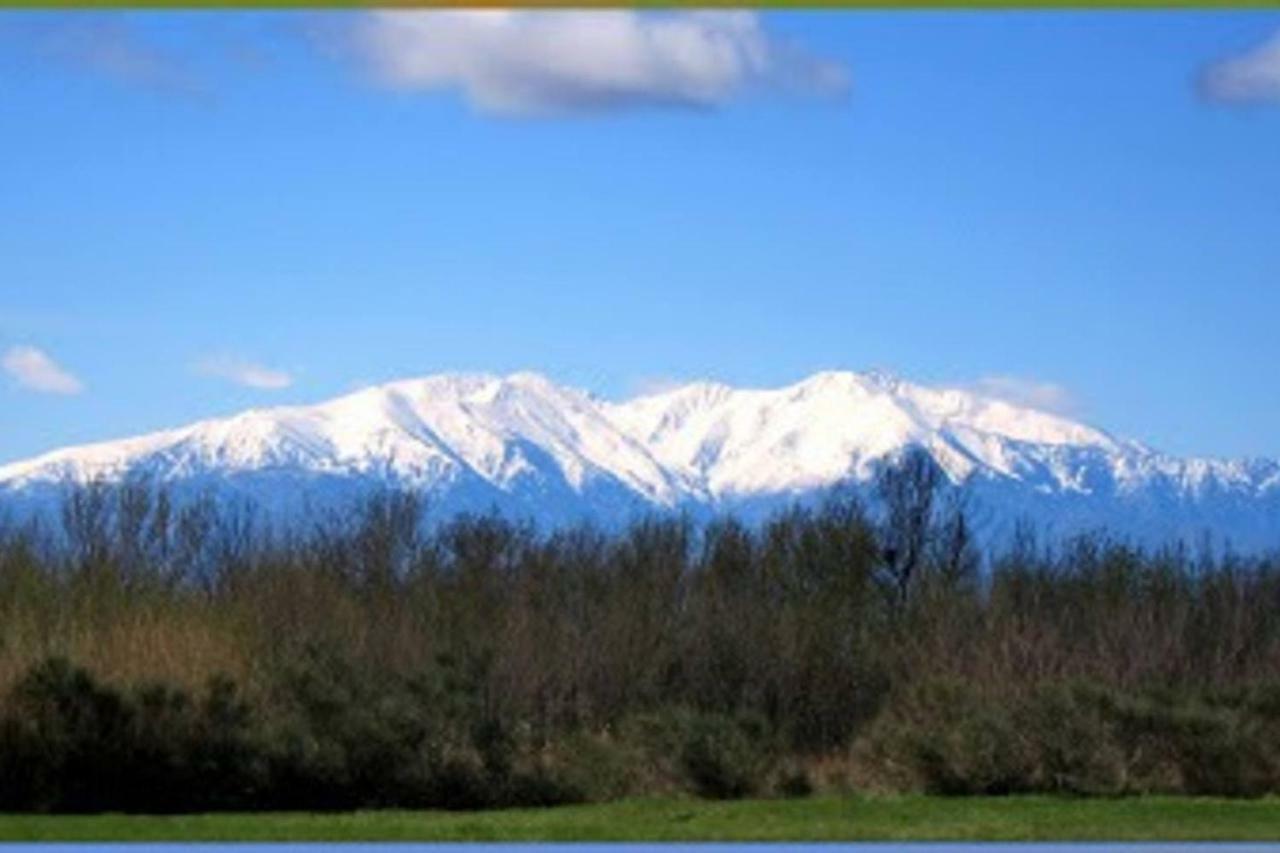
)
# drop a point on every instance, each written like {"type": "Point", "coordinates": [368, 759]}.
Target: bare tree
{"type": "Point", "coordinates": [907, 491]}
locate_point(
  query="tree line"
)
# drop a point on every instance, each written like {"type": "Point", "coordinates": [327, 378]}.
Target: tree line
{"type": "Point", "coordinates": [158, 655]}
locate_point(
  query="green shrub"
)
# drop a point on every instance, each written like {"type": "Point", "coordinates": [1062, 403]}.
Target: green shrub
{"type": "Point", "coordinates": [348, 738]}
{"type": "Point", "coordinates": [723, 757]}
{"type": "Point", "coordinates": [1212, 748]}
{"type": "Point", "coordinates": [1076, 739]}
{"type": "Point", "coordinates": [539, 785]}
{"type": "Point", "coordinates": [951, 739]}
{"type": "Point", "coordinates": [457, 782]}
{"type": "Point", "coordinates": [70, 743]}
{"type": "Point", "coordinates": [605, 766]}
{"type": "Point", "coordinates": [67, 739]}
{"type": "Point", "coordinates": [794, 783]}
{"type": "Point", "coordinates": [1073, 742]}
{"type": "Point", "coordinates": [226, 756]}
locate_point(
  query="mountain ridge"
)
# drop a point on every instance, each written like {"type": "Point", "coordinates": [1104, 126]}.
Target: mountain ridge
{"type": "Point", "coordinates": [525, 445]}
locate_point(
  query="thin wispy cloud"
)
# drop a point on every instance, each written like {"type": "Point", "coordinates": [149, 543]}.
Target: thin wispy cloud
{"type": "Point", "coordinates": [35, 370]}
{"type": "Point", "coordinates": [109, 47]}
{"type": "Point", "coordinates": [542, 63]}
{"type": "Point", "coordinates": [1033, 393]}
{"type": "Point", "coordinates": [244, 373]}
{"type": "Point", "coordinates": [646, 386]}
{"type": "Point", "coordinates": [1250, 77]}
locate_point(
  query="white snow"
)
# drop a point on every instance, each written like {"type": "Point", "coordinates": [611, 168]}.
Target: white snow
{"type": "Point", "coordinates": [703, 443]}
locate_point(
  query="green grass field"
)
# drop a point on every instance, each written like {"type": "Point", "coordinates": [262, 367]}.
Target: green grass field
{"type": "Point", "coordinates": [818, 819]}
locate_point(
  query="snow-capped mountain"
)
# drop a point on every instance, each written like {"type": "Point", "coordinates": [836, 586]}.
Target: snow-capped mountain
{"type": "Point", "coordinates": [528, 447]}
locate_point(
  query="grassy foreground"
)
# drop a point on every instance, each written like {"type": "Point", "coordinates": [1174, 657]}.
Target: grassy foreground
{"type": "Point", "coordinates": [818, 819]}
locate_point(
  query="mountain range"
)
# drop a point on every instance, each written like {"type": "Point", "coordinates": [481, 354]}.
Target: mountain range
{"type": "Point", "coordinates": [527, 447]}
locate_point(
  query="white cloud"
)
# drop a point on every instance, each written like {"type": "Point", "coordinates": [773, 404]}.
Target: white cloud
{"type": "Point", "coordinates": [1251, 77]}
{"type": "Point", "coordinates": [525, 63]}
{"type": "Point", "coordinates": [1047, 396]}
{"type": "Point", "coordinates": [34, 369]}
{"type": "Point", "coordinates": [245, 373]}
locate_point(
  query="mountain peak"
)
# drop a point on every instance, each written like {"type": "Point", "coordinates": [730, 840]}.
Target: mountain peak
{"type": "Point", "coordinates": [845, 381]}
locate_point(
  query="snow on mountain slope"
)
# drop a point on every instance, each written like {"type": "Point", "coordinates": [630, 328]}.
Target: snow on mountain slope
{"type": "Point", "coordinates": [832, 426]}
{"type": "Point", "coordinates": [524, 445]}
{"type": "Point", "coordinates": [518, 443]}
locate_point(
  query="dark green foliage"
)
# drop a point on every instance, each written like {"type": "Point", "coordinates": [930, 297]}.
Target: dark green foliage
{"type": "Point", "coordinates": [795, 783]}
{"type": "Point", "coordinates": [954, 739]}
{"type": "Point", "coordinates": [69, 743]}
{"type": "Point", "coordinates": [354, 739]}
{"type": "Point", "coordinates": [724, 758]}
{"type": "Point", "coordinates": [67, 736]}
{"type": "Point", "coordinates": [1080, 739]}
{"type": "Point", "coordinates": [346, 740]}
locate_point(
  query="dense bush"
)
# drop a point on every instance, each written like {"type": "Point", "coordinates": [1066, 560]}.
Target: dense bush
{"type": "Point", "coordinates": [724, 758]}
{"type": "Point", "coordinates": [952, 738]}
{"type": "Point", "coordinates": [162, 656]}
{"type": "Point", "coordinates": [69, 743]}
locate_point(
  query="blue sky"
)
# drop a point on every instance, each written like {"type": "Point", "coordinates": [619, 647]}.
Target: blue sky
{"type": "Point", "coordinates": [204, 212]}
